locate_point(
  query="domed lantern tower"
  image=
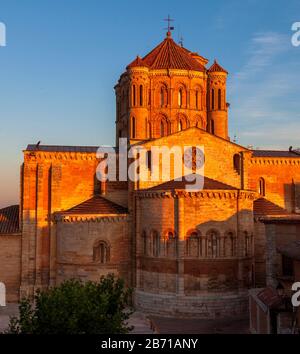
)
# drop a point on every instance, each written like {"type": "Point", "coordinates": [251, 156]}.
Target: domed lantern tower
{"type": "Point", "coordinates": [165, 92]}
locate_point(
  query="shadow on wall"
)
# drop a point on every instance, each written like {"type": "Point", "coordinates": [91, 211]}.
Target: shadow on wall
{"type": "Point", "coordinates": [217, 255]}
{"type": "Point", "coordinates": [290, 196]}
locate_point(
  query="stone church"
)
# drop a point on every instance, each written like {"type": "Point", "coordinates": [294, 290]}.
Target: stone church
{"type": "Point", "coordinates": [185, 253]}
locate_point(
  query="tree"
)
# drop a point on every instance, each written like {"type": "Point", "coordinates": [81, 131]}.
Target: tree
{"type": "Point", "coordinates": [75, 307]}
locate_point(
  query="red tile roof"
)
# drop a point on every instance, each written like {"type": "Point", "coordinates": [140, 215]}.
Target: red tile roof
{"type": "Point", "coordinates": [96, 205]}
{"type": "Point", "coordinates": [138, 61]}
{"type": "Point", "coordinates": [263, 206]}
{"type": "Point", "coordinates": [62, 148]}
{"type": "Point", "coordinates": [270, 297]}
{"type": "Point", "coordinates": [275, 153]}
{"type": "Point", "coordinates": [209, 184]}
{"type": "Point", "coordinates": [9, 220]}
{"type": "Point", "coordinates": [169, 55]}
{"type": "Point", "coordinates": [217, 68]}
{"type": "Point", "coordinates": [198, 57]}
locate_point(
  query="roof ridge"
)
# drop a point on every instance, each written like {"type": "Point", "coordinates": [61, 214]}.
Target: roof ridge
{"type": "Point", "coordinates": [164, 43]}
{"type": "Point", "coordinates": [156, 48]}
{"type": "Point", "coordinates": [264, 206]}
{"type": "Point", "coordinates": [138, 61]}
{"type": "Point", "coordinates": [9, 219]}
{"type": "Point", "coordinates": [209, 184]}
{"type": "Point", "coordinates": [216, 67]}
{"type": "Point", "coordinates": [9, 206]}
{"type": "Point", "coordinates": [190, 128]}
{"type": "Point", "coordinates": [63, 148]}
{"type": "Point", "coordinates": [274, 153]}
{"type": "Point", "coordinates": [92, 206]}
{"type": "Point", "coordinates": [169, 55]}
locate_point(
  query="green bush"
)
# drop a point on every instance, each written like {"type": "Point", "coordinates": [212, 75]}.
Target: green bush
{"type": "Point", "coordinates": [75, 307]}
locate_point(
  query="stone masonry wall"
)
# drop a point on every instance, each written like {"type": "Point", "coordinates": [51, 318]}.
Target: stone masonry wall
{"type": "Point", "coordinates": [181, 269]}
{"type": "Point", "coordinates": [202, 307]}
{"type": "Point", "coordinates": [10, 265]}
{"type": "Point", "coordinates": [279, 174]}
{"type": "Point", "coordinates": [52, 181]}
{"type": "Point", "coordinates": [75, 243]}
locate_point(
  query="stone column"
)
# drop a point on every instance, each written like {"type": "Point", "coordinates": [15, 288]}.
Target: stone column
{"type": "Point", "coordinates": [40, 224]}
{"type": "Point", "coordinates": [240, 243]}
{"type": "Point", "coordinates": [55, 205]}
{"type": "Point", "coordinates": [245, 158]}
{"type": "Point", "coordinates": [180, 229]}
{"type": "Point", "coordinates": [138, 247]}
{"type": "Point", "coordinates": [28, 228]}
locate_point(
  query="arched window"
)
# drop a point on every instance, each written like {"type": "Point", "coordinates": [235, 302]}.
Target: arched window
{"type": "Point", "coordinates": [180, 97]}
{"type": "Point", "coordinates": [212, 126]}
{"type": "Point", "coordinates": [163, 96]}
{"type": "Point", "coordinates": [199, 122]}
{"type": "Point", "coordinates": [247, 244]}
{"type": "Point", "coordinates": [262, 187]}
{"type": "Point", "coordinates": [144, 241]}
{"type": "Point", "coordinates": [182, 122]}
{"type": "Point", "coordinates": [193, 244]}
{"type": "Point", "coordinates": [164, 127]}
{"type": "Point", "coordinates": [101, 252]}
{"type": "Point", "coordinates": [212, 99]}
{"type": "Point", "coordinates": [219, 99]}
{"type": "Point", "coordinates": [133, 128]}
{"type": "Point", "coordinates": [133, 95]}
{"type": "Point", "coordinates": [237, 163]}
{"type": "Point", "coordinates": [197, 99]}
{"type": "Point", "coordinates": [149, 97]}
{"type": "Point", "coordinates": [171, 245]}
{"type": "Point", "coordinates": [155, 244]}
{"type": "Point", "coordinates": [141, 95]}
{"type": "Point", "coordinates": [229, 244]}
{"type": "Point", "coordinates": [149, 160]}
{"type": "Point", "coordinates": [213, 239]}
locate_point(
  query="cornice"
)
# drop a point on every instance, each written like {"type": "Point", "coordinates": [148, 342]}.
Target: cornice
{"type": "Point", "coordinates": [275, 160]}
{"type": "Point", "coordinates": [104, 218]}
{"type": "Point", "coordinates": [176, 72]}
{"type": "Point", "coordinates": [58, 156]}
{"type": "Point", "coordinates": [204, 194]}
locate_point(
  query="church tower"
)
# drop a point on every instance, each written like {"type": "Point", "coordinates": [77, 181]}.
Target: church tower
{"type": "Point", "coordinates": [170, 90]}
{"type": "Point", "coordinates": [217, 115]}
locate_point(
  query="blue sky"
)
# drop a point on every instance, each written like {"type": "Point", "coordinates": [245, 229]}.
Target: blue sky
{"type": "Point", "coordinates": [63, 58]}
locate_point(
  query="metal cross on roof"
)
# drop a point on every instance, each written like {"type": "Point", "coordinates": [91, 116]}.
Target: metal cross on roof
{"type": "Point", "coordinates": [169, 20]}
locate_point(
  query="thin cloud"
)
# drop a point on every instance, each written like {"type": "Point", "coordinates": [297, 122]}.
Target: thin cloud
{"type": "Point", "coordinates": [265, 108]}
{"type": "Point", "coordinates": [263, 48]}
{"type": "Point", "coordinates": [275, 136]}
